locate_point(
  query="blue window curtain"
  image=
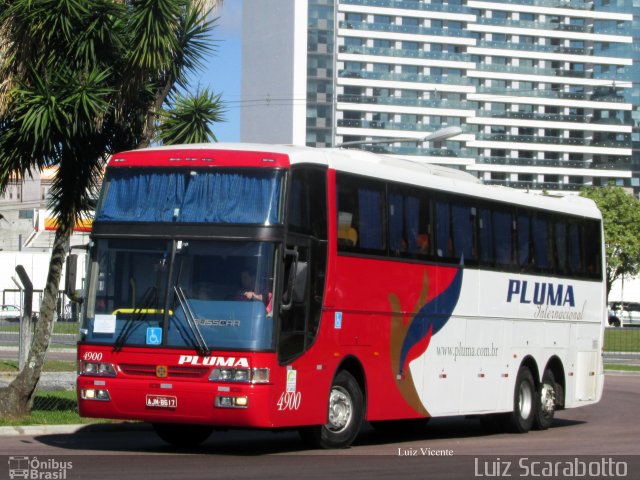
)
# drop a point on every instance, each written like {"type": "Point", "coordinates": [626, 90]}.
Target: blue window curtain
{"type": "Point", "coordinates": [412, 221]}
{"type": "Point", "coordinates": [540, 243]}
{"type": "Point", "coordinates": [485, 239]}
{"type": "Point", "coordinates": [370, 222]}
{"type": "Point", "coordinates": [144, 197]}
{"type": "Point", "coordinates": [462, 232]}
{"type": "Point", "coordinates": [225, 197]}
{"type": "Point", "coordinates": [524, 230]}
{"type": "Point", "coordinates": [443, 227]}
{"type": "Point", "coordinates": [396, 204]}
{"type": "Point", "coordinates": [575, 250]}
{"type": "Point", "coordinates": [561, 245]}
{"type": "Point", "coordinates": [502, 229]}
{"type": "Point", "coordinates": [217, 197]}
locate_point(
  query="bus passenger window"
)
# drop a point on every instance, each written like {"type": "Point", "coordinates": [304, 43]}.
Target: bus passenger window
{"type": "Point", "coordinates": [370, 215]}
{"type": "Point", "coordinates": [444, 242]}
{"type": "Point", "coordinates": [485, 238]}
{"type": "Point", "coordinates": [525, 257]}
{"type": "Point", "coordinates": [560, 251]}
{"type": "Point", "coordinates": [540, 236]}
{"type": "Point", "coordinates": [575, 249]}
{"type": "Point", "coordinates": [502, 237]}
{"type": "Point", "coordinates": [464, 232]}
{"type": "Point", "coordinates": [347, 235]}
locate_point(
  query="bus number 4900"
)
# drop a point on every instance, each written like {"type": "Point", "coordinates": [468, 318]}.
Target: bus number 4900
{"type": "Point", "coordinates": [92, 356]}
{"type": "Point", "coordinates": [289, 401]}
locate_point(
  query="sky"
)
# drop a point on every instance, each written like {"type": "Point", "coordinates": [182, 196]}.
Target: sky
{"type": "Point", "coordinates": [222, 72]}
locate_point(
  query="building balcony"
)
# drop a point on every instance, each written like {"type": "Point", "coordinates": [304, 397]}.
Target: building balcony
{"type": "Point", "coordinates": [409, 29]}
{"type": "Point", "coordinates": [408, 102]}
{"type": "Point", "coordinates": [572, 187]}
{"type": "Point", "coordinates": [406, 77]}
{"type": "Point", "coordinates": [533, 47]}
{"type": "Point", "coordinates": [408, 5]}
{"type": "Point", "coordinates": [532, 139]}
{"type": "Point", "coordinates": [573, 4]}
{"type": "Point", "coordinates": [548, 117]}
{"type": "Point", "coordinates": [540, 162]}
{"type": "Point", "coordinates": [597, 97]}
{"type": "Point", "coordinates": [563, 27]}
{"type": "Point", "coordinates": [403, 53]}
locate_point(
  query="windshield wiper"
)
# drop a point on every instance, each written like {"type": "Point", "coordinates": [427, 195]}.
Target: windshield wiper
{"type": "Point", "coordinates": [200, 343]}
{"type": "Point", "coordinates": [131, 324]}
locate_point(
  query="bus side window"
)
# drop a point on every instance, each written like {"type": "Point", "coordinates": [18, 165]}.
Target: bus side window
{"type": "Point", "coordinates": [560, 247]}
{"type": "Point", "coordinates": [540, 236]}
{"type": "Point", "coordinates": [525, 247]}
{"type": "Point", "coordinates": [575, 249]}
{"type": "Point", "coordinates": [444, 242]}
{"type": "Point", "coordinates": [502, 228]}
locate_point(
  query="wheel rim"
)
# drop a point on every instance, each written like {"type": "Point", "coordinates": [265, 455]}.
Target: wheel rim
{"type": "Point", "coordinates": [547, 400]}
{"type": "Point", "coordinates": [525, 400]}
{"type": "Point", "coordinates": [340, 409]}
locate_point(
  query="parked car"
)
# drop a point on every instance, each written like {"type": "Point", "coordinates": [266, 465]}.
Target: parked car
{"type": "Point", "coordinates": [10, 313]}
{"type": "Point", "coordinates": [624, 313]}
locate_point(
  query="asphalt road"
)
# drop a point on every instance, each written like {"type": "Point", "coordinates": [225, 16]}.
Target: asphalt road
{"type": "Point", "coordinates": [604, 438]}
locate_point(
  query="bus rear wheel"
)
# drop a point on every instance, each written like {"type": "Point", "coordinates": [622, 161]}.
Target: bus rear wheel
{"type": "Point", "coordinates": [344, 418]}
{"type": "Point", "coordinates": [546, 402]}
{"type": "Point", "coordinates": [183, 436]}
{"type": "Point", "coordinates": [524, 402]}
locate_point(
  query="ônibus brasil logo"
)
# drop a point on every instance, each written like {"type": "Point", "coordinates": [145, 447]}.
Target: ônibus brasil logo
{"type": "Point", "coordinates": [34, 468]}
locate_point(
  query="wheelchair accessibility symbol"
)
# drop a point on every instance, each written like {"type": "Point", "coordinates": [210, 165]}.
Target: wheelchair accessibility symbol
{"type": "Point", "coordinates": [154, 336]}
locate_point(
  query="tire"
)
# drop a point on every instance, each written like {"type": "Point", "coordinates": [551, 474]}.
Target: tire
{"type": "Point", "coordinates": [546, 403]}
{"type": "Point", "coordinates": [183, 436]}
{"type": "Point", "coordinates": [344, 418]}
{"type": "Point", "coordinates": [524, 402]}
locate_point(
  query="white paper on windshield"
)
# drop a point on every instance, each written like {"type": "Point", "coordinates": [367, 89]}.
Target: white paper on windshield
{"type": "Point", "coordinates": [104, 324]}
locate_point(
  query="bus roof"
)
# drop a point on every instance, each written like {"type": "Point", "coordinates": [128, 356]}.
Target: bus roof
{"type": "Point", "coordinates": [407, 170]}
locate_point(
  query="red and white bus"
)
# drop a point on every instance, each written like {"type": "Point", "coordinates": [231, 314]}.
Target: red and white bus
{"type": "Point", "coordinates": [284, 287]}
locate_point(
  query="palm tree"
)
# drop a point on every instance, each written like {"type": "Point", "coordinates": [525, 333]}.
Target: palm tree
{"type": "Point", "coordinates": [80, 80]}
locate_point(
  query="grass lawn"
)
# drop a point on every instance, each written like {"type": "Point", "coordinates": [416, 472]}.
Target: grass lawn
{"type": "Point", "coordinates": [58, 327]}
{"type": "Point", "coordinates": [11, 366]}
{"type": "Point", "coordinates": [624, 368]}
{"type": "Point", "coordinates": [622, 339]}
{"type": "Point", "coordinates": [52, 408]}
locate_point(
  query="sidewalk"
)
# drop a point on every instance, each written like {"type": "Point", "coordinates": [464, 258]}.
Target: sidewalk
{"type": "Point", "coordinates": [48, 380]}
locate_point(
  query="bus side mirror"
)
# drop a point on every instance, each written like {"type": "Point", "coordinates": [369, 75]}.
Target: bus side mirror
{"type": "Point", "coordinates": [71, 279]}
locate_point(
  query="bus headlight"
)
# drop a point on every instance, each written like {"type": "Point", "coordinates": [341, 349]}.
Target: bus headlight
{"type": "Point", "coordinates": [240, 375]}
{"type": "Point", "coordinates": [97, 369]}
{"type": "Point", "coordinates": [95, 394]}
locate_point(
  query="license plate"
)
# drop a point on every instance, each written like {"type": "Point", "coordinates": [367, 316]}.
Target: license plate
{"type": "Point", "coordinates": [162, 401]}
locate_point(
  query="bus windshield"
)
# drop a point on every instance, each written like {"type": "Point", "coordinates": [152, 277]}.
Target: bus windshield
{"type": "Point", "coordinates": [202, 294]}
{"type": "Point", "coordinates": [221, 196]}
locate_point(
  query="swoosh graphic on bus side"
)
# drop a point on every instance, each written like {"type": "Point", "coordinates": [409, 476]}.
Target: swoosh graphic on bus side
{"type": "Point", "coordinates": [410, 338]}
{"type": "Point", "coordinates": [428, 321]}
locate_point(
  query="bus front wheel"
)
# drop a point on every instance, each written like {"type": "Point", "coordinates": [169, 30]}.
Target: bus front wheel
{"type": "Point", "coordinates": [524, 402]}
{"type": "Point", "coordinates": [183, 436]}
{"type": "Point", "coordinates": [344, 417]}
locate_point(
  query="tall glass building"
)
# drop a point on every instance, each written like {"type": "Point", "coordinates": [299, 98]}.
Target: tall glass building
{"type": "Point", "coordinates": [543, 89]}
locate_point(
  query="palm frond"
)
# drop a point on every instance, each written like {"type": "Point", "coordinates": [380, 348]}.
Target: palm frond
{"type": "Point", "coordinates": [190, 119]}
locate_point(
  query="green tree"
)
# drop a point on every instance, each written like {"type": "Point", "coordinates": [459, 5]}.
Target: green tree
{"type": "Point", "coordinates": [80, 80]}
{"type": "Point", "coordinates": [621, 218]}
